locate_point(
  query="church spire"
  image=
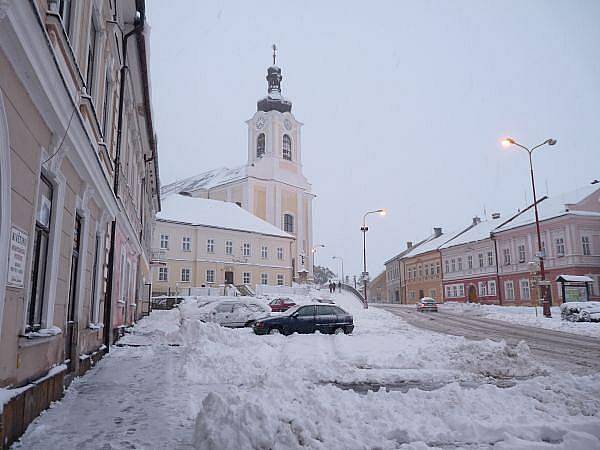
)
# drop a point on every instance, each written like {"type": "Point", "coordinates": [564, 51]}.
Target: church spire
{"type": "Point", "coordinates": [274, 99]}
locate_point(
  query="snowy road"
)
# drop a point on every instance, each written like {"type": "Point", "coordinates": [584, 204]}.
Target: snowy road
{"type": "Point", "coordinates": [565, 350]}
{"type": "Point", "coordinates": [179, 383]}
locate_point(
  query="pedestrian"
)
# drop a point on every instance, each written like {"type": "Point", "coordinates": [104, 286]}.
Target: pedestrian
{"type": "Point", "coordinates": [340, 286]}
{"type": "Point", "coordinates": [334, 287]}
{"type": "Point", "coordinates": [330, 287]}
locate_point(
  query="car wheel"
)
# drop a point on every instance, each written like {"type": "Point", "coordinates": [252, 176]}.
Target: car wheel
{"type": "Point", "coordinates": [585, 316]}
{"type": "Point", "coordinates": [571, 317]}
{"type": "Point", "coordinates": [274, 331]}
{"type": "Point", "coordinates": [339, 330]}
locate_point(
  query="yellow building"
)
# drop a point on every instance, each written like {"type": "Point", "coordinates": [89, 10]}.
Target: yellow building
{"type": "Point", "coordinates": [210, 243]}
{"type": "Point", "coordinates": [271, 184]}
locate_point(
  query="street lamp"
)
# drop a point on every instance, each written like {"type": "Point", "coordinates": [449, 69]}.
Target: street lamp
{"type": "Point", "coordinates": [364, 229]}
{"type": "Point", "coordinates": [342, 260]}
{"type": "Point", "coordinates": [507, 142]}
{"type": "Point", "coordinates": [314, 251]}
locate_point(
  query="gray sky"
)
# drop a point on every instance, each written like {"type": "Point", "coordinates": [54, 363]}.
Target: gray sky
{"type": "Point", "coordinates": [404, 104]}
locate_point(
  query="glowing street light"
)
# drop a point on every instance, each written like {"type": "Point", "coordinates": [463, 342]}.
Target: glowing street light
{"type": "Point", "coordinates": [508, 142]}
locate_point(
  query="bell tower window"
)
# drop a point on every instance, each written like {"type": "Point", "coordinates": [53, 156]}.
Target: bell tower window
{"type": "Point", "coordinates": [260, 145]}
{"type": "Point", "coordinates": [287, 147]}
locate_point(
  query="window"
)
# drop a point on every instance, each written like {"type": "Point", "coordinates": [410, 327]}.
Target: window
{"type": "Point", "coordinates": [459, 263]}
{"type": "Point", "coordinates": [447, 266]}
{"type": "Point", "coordinates": [480, 259]}
{"type": "Point", "coordinates": [280, 279]}
{"type": "Point", "coordinates": [264, 278]}
{"type": "Point", "coordinates": [306, 311]}
{"type": "Point", "coordinates": [420, 271]}
{"type": "Point", "coordinates": [93, 292]}
{"type": "Point", "coordinates": [506, 253]}
{"type": "Point", "coordinates": [432, 293]}
{"type": "Point", "coordinates": [287, 147]}
{"type": "Point", "coordinates": [210, 276]}
{"type": "Point", "coordinates": [437, 268]}
{"type": "Point", "coordinates": [260, 145]}
{"type": "Point", "coordinates": [229, 247]}
{"type": "Point", "coordinates": [412, 295]}
{"type": "Point", "coordinates": [461, 290]}
{"type": "Point", "coordinates": [585, 243]}
{"type": "Point", "coordinates": [454, 291]}
{"type": "Point", "coordinates": [185, 274]}
{"type": "Point", "coordinates": [492, 287]}
{"type": "Point", "coordinates": [279, 253]}
{"type": "Point", "coordinates": [490, 258]}
{"type": "Point", "coordinates": [163, 274]}
{"type": "Point", "coordinates": [453, 264]}
{"type": "Point", "coordinates": [470, 262]}
{"type": "Point", "coordinates": [164, 241]}
{"type": "Point", "coordinates": [288, 223]}
{"type": "Point", "coordinates": [105, 106]}
{"type": "Point", "coordinates": [186, 244]}
{"type": "Point", "coordinates": [40, 255]}
{"type": "Point", "coordinates": [246, 278]}
{"type": "Point", "coordinates": [74, 272]}
{"type": "Point", "coordinates": [524, 288]}
{"type": "Point", "coordinates": [210, 245]}
{"type": "Point", "coordinates": [509, 290]}
{"type": "Point", "coordinates": [64, 10]}
{"type": "Point", "coordinates": [246, 249]}
{"type": "Point", "coordinates": [482, 285]}
{"type": "Point", "coordinates": [426, 270]}
{"type": "Point", "coordinates": [264, 252]}
{"type": "Point", "coordinates": [91, 57]}
{"type": "Point", "coordinates": [521, 249]}
{"type": "Point", "coordinates": [560, 247]}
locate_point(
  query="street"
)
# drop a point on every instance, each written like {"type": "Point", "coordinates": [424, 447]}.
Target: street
{"type": "Point", "coordinates": [563, 350]}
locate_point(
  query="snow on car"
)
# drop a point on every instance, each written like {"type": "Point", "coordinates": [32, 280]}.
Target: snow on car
{"type": "Point", "coordinates": [233, 313]}
{"type": "Point", "coordinates": [580, 311]}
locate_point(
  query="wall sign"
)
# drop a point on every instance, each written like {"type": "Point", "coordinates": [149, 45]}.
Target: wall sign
{"type": "Point", "coordinates": [17, 257]}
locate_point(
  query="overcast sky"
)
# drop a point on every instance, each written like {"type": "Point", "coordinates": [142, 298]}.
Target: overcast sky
{"type": "Point", "coordinates": [404, 104]}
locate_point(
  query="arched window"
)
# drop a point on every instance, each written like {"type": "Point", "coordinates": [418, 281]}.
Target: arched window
{"type": "Point", "coordinates": [260, 145]}
{"type": "Point", "coordinates": [287, 147]}
{"type": "Point", "coordinates": [288, 223]}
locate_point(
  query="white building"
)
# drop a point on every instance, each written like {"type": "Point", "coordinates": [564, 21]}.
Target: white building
{"type": "Point", "coordinates": [271, 184]}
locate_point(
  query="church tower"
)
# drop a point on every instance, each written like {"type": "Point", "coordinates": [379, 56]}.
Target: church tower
{"type": "Point", "coordinates": [278, 190]}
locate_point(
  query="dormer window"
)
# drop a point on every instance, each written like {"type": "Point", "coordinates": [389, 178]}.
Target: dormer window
{"type": "Point", "coordinates": [287, 147]}
{"type": "Point", "coordinates": [260, 145]}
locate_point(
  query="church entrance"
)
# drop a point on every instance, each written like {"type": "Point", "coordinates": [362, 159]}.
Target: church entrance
{"type": "Point", "coordinates": [228, 277]}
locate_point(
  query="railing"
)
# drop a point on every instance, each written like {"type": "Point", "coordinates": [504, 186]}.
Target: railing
{"type": "Point", "coordinates": [262, 289]}
{"type": "Point", "coordinates": [158, 256]}
{"type": "Point", "coordinates": [357, 294]}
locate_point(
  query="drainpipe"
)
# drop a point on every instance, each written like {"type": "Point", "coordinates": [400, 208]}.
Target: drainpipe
{"type": "Point", "coordinates": [138, 27]}
{"type": "Point", "coordinates": [498, 287]}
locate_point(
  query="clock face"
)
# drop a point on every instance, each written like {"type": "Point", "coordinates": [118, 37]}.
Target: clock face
{"type": "Point", "coordinates": [287, 124]}
{"type": "Point", "coordinates": [260, 123]}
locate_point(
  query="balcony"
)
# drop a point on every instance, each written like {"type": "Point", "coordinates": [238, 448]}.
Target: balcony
{"type": "Point", "coordinates": [159, 257]}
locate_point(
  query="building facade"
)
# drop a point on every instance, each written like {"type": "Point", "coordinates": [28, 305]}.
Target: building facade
{"type": "Point", "coordinates": [378, 290]}
{"type": "Point", "coordinates": [73, 177]}
{"type": "Point", "coordinates": [271, 185]}
{"type": "Point", "coordinates": [210, 243]}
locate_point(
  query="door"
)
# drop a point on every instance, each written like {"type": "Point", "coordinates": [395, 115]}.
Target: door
{"type": "Point", "coordinates": [72, 306]}
{"type": "Point", "coordinates": [472, 294]}
{"type": "Point", "coordinates": [421, 294]}
{"type": "Point", "coordinates": [304, 320]}
{"type": "Point", "coordinates": [325, 319]}
{"type": "Point", "coordinates": [228, 277]}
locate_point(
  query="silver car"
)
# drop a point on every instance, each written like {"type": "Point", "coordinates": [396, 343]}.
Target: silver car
{"type": "Point", "coordinates": [234, 314]}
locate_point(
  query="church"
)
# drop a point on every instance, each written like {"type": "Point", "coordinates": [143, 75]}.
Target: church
{"type": "Point", "coordinates": [271, 185]}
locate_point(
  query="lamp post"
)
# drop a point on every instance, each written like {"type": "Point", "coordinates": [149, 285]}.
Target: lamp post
{"type": "Point", "coordinates": [507, 142]}
{"type": "Point", "coordinates": [314, 251]}
{"type": "Point", "coordinates": [364, 229]}
{"type": "Point", "coordinates": [342, 260]}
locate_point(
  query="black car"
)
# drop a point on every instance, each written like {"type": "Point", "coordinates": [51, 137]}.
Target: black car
{"type": "Point", "coordinates": [307, 319]}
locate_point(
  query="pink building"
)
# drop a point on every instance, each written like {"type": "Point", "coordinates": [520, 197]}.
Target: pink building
{"type": "Point", "coordinates": [570, 229]}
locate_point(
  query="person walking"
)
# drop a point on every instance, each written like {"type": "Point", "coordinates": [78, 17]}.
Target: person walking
{"type": "Point", "coordinates": [330, 287]}
{"type": "Point", "coordinates": [334, 287]}
{"type": "Point", "coordinates": [339, 286]}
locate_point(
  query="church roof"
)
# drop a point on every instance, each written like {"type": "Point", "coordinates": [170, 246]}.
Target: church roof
{"type": "Point", "coordinates": [215, 213]}
{"type": "Point", "coordinates": [204, 181]}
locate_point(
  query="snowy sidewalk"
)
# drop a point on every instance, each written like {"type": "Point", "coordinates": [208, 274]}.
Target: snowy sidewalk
{"type": "Point", "coordinates": [196, 385]}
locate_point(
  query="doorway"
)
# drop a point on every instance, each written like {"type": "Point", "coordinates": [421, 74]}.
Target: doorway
{"type": "Point", "coordinates": [71, 323]}
{"type": "Point", "coordinates": [228, 277]}
{"type": "Point", "coordinates": [472, 294]}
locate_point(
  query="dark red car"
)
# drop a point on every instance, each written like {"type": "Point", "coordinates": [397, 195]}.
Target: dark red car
{"type": "Point", "coordinates": [281, 304]}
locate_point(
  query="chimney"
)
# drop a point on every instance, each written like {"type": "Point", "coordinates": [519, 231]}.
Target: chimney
{"type": "Point", "coordinates": [495, 215]}
{"type": "Point", "coordinates": [437, 232]}
{"type": "Point", "coordinates": [476, 220]}
{"type": "Point", "coordinates": [408, 244]}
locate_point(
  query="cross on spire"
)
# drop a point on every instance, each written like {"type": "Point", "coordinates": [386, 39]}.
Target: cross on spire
{"type": "Point", "coordinates": [274, 54]}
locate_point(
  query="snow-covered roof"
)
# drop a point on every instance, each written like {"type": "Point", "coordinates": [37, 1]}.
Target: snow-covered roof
{"type": "Point", "coordinates": [432, 243]}
{"type": "Point", "coordinates": [574, 278]}
{"type": "Point", "coordinates": [556, 206]}
{"type": "Point", "coordinates": [215, 213]}
{"type": "Point", "coordinates": [475, 233]}
{"type": "Point", "coordinates": [205, 180]}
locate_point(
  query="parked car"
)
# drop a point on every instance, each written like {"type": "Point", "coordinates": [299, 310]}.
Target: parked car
{"type": "Point", "coordinates": [324, 300]}
{"type": "Point", "coordinates": [165, 302]}
{"type": "Point", "coordinates": [281, 304]}
{"type": "Point", "coordinates": [233, 313]}
{"type": "Point", "coordinates": [427, 304]}
{"type": "Point", "coordinates": [580, 311]}
{"type": "Point", "coordinates": [307, 319]}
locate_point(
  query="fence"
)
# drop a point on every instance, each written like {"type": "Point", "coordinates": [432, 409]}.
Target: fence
{"type": "Point", "coordinates": [351, 289]}
{"type": "Point", "coordinates": [212, 291]}
{"type": "Point", "coordinates": [264, 289]}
